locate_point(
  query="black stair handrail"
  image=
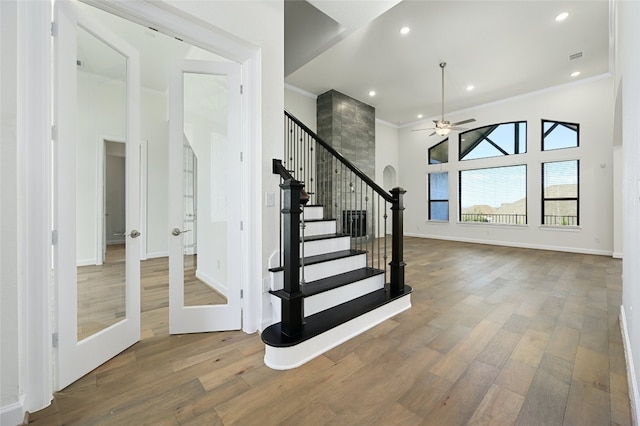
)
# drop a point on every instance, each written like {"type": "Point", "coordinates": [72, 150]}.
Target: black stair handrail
{"type": "Point", "coordinates": [386, 195]}
{"type": "Point", "coordinates": [309, 157]}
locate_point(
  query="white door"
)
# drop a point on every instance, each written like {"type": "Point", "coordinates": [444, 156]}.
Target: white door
{"type": "Point", "coordinates": [204, 197]}
{"type": "Point", "coordinates": [96, 93]}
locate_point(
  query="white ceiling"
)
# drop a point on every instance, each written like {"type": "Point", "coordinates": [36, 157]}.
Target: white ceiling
{"type": "Point", "coordinates": [503, 48]}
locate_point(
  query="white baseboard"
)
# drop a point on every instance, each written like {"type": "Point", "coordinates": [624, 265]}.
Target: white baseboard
{"type": "Point", "coordinates": [617, 255]}
{"type": "Point", "coordinates": [634, 395]}
{"type": "Point", "coordinates": [513, 244]}
{"type": "Point", "coordinates": [222, 289]}
{"type": "Point", "coordinates": [154, 255]}
{"type": "Point", "coordinates": [12, 414]}
{"type": "Point", "coordinates": [86, 262]}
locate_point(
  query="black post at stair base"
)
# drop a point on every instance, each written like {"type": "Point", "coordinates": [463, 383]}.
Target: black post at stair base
{"type": "Point", "coordinates": [397, 261]}
{"type": "Point", "coordinates": [291, 323]}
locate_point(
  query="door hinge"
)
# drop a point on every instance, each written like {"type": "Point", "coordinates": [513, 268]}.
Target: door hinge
{"type": "Point", "coordinates": [241, 226]}
{"type": "Point", "coordinates": [54, 340]}
{"type": "Point", "coordinates": [241, 294]}
{"type": "Point", "coordinates": [53, 133]}
{"type": "Point", "coordinates": [241, 157]}
{"type": "Point", "coordinates": [54, 29]}
{"type": "Point", "coordinates": [241, 89]}
{"type": "Point", "coordinates": [54, 237]}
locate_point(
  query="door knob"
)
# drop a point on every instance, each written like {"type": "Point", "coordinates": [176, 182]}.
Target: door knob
{"type": "Point", "coordinates": [177, 232]}
{"type": "Point", "coordinates": [134, 234]}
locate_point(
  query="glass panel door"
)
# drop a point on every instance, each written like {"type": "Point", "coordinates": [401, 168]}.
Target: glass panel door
{"type": "Point", "coordinates": [96, 94]}
{"type": "Point", "coordinates": [204, 210]}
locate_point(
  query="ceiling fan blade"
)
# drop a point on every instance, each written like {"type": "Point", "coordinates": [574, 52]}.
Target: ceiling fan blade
{"type": "Point", "coordinates": [471, 120]}
{"type": "Point", "coordinates": [432, 134]}
{"type": "Point", "coordinates": [459, 128]}
{"type": "Point", "coordinates": [419, 130]}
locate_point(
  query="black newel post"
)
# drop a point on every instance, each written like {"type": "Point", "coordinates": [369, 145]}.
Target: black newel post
{"type": "Point", "coordinates": [292, 304]}
{"type": "Point", "coordinates": [397, 260]}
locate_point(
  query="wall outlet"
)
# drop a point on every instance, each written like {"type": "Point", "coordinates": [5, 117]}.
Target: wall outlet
{"type": "Point", "coordinates": [270, 199]}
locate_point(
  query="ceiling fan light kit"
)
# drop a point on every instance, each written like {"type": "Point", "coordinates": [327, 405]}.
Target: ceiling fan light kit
{"type": "Point", "coordinates": [443, 127]}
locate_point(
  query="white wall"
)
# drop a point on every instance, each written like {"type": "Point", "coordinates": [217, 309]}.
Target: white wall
{"type": "Point", "coordinates": [628, 80]}
{"type": "Point", "coordinates": [9, 279]}
{"type": "Point", "coordinates": [302, 105]}
{"type": "Point", "coordinates": [590, 104]}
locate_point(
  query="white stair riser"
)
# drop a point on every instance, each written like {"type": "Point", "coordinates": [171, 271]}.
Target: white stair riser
{"type": "Point", "coordinates": [328, 299]}
{"type": "Point", "coordinates": [315, 212]}
{"type": "Point", "coordinates": [323, 270]}
{"type": "Point", "coordinates": [312, 248]}
{"type": "Point", "coordinates": [319, 228]}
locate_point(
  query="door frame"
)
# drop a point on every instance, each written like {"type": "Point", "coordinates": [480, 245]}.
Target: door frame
{"type": "Point", "coordinates": [101, 240]}
{"type": "Point", "coordinates": [34, 132]}
{"type": "Point", "coordinates": [171, 21]}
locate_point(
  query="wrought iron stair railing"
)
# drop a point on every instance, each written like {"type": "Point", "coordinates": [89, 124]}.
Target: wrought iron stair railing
{"type": "Point", "coordinates": [360, 207]}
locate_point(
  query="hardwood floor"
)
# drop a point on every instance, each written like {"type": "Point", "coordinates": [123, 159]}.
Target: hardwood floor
{"type": "Point", "coordinates": [496, 336]}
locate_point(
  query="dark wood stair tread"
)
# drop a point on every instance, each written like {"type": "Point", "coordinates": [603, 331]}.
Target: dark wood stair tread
{"type": "Point", "coordinates": [326, 320]}
{"type": "Point", "coordinates": [312, 260]}
{"type": "Point", "coordinates": [329, 283]}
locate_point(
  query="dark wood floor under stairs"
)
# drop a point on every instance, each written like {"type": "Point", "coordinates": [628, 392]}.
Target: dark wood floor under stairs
{"type": "Point", "coordinates": [496, 336]}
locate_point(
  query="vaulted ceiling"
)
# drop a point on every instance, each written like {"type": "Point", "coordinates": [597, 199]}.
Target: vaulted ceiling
{"type": "Point", "coordinates": [502, 48]}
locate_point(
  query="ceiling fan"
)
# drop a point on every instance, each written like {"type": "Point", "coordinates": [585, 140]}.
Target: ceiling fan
{"type": "Point", "coordinates": [443, 127]}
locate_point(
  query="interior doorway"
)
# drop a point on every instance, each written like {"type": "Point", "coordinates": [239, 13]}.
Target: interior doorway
{"type": "Point", "coordinates": [130, 100]}
{"type": "Point", "coordinates": [114, 199]}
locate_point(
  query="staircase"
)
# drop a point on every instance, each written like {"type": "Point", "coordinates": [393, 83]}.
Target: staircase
{"type": "Point", "coordinates": [333, 282]}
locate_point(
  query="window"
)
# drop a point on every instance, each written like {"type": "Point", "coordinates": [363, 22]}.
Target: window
{"type": "Point", "coordinates": [558, 135]}
{"type": "Point", "coordinates": [495, 195]}
{"type": "Point", "coordinates": [560, 193]}
{"type": "Point", "coordinates": [493, 141]}
{"type": "Point", "coordinates": [439, 153]}
{"type": "Point", "coordinates": [439, 196]}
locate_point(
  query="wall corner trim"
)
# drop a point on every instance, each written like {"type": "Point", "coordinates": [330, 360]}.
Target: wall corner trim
{"type": "Point", "coordinates": [634, 395]}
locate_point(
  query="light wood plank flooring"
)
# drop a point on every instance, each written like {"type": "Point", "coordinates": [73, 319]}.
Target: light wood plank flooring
{"type": "Point", "coordinates": [496, 336]}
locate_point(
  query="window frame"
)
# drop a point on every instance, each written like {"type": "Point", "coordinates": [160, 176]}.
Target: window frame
{"type": "Point", "coordinates": [496, 125]}
{"type": "Point", "coordinates": [526, 195]}
{"type": "Point", "coordinates": [543, 134]}
{"type": "Point", "coordinates": [576, 198]}
{"type": "Point", "coordinates": [430, 200]}
{"type": "Point", "coordinates": [445, 140]}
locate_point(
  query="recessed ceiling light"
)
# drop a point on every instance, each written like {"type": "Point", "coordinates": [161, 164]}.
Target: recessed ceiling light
{"type": "Point", "coordinates": [405, 30]}
{"type": "Point", "coordinates": [562, 16]}
{"type": "Point", "coordinates": [419, 115]}
{"type": "Point", "coordinates": [372, 93]}
{"type": "Point", "coordinates": [470, 87]}
{"type": "Point", "coordinates": [575, 73]}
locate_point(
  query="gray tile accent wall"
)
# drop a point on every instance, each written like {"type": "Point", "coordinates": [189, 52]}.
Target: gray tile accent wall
{"type": "Point", "coordinates": [348, 126]}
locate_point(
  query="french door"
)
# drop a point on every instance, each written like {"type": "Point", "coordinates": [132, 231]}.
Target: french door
{"type": "Point", "coordinates": [204, 197]}
{"type": "Point", "coordinates": [98, 303]}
